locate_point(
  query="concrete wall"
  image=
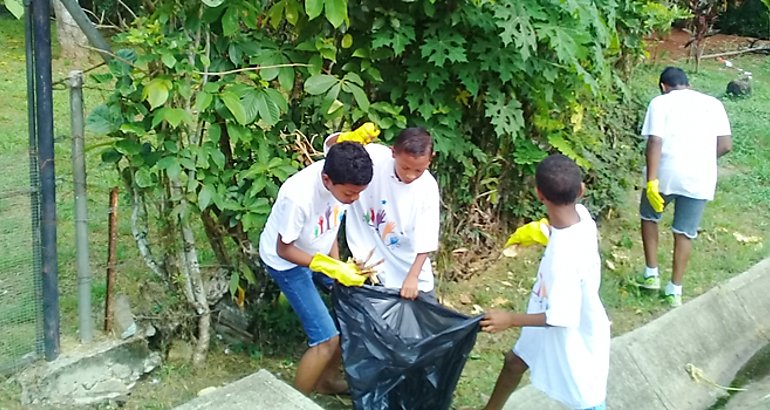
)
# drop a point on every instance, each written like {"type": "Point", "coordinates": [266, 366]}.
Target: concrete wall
{"type": "Point", "coordinates": [259, 391]}
{"type": "Point", "coordinates": [716, 332]}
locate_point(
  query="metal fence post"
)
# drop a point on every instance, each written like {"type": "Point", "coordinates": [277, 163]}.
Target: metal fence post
{"type": "Point", "coordinates": [81, 212]}
{"type": "Point", "coordinates": [41, 28]}
{"type": "Point", "coordinates": [34, 178]}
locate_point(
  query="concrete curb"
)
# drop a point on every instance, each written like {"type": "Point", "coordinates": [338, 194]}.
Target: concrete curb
{"type": "Point", "coordinates": [258, 391]}
{"type": "Point", "coordinates": [717, 332]}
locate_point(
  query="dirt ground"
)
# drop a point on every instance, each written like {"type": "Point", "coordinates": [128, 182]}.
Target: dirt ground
{"type": "Point", "coordinates": [673, 47]}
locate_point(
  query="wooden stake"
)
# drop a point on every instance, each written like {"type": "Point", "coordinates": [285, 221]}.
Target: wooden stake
{"type": "Point", "coordinates": [111, 251]}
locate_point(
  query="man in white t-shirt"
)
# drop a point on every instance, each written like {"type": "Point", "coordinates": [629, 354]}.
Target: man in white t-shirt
{"type": "Point", "coordinates": [396, 219]}
{"type": "Point", "coordinates": [299, 244]}
{"type": "Point", "coordinates": [565, 335]}
{"type": "Point", "coordinates": [686, 132]}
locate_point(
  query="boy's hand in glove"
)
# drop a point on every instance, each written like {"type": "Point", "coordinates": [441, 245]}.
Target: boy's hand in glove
{"type": "Point", "coordinates": [364, 134]}
{"type": "Point", "coordinates": [530, 234]}
{"type": "Point", "coordinates": [346, 273]}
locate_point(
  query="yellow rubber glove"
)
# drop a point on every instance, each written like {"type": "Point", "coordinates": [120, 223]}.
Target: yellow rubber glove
{"type": "Point", "coordinates": [653, 195]}
{"type": "Point", "coordinates": [530, 234]}
{"type": "Point", "coordinates": [346, 273]}
{"type": "Point", "coordinates": [364, 134]}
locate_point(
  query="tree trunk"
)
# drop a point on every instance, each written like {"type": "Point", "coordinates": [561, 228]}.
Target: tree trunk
{"type": "Point", "coordinates": [71, 37]}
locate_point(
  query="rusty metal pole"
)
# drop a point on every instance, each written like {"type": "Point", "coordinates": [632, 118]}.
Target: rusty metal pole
{"type": "Point", "coordinates": [111, 251]}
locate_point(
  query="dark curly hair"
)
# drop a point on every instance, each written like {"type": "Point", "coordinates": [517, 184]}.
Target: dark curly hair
{"type": "Point", "coordinates": [348, 163]}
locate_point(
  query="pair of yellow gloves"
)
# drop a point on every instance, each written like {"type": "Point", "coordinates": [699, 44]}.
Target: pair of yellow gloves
{"type": "Point", "coordinates": [537, 232]}
{"type": "Point", "coordinates": [346, 273]}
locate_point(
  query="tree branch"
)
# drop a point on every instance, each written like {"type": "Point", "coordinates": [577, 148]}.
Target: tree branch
{"type": "Point", "coordinates": [139, 230]}
{"type": "Point", "coordinates": [257, 68]}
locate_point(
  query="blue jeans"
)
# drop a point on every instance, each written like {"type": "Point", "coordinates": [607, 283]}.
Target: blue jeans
{"type": "Point", "coordinates": [687, 213]}
{"type": "Point", "coordinates": [298, 284]}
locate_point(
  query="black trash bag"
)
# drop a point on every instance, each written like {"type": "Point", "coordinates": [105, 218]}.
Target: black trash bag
{"type": "Point", "coordinates": [398, 353]}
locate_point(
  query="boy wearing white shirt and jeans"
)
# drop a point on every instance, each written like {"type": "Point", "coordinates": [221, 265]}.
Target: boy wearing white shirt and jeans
{"type": "Point", "coordinates": [397, 216]}
{"type": "Point", "coordinates": [299, 243]}
{"type": "Point", "coordinates": [565, 335]}
{"type": "Point", "coordinates": [686, 132]}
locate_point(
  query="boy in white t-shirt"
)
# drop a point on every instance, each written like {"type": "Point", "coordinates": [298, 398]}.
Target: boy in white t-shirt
{"type": "Point", "coordinates": [299, 243]}
{"type": "Point", "coordinates": [686, 132]}
{"type": "Point", "coordinates": [397, 216]}
{"type": "Point", "coordinates": [565, 335]}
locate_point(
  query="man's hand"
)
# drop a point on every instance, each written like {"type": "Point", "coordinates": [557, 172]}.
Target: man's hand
{"type": "Point", "coordinates": [346, 273]}
{"type": "Point", "coordinates": [496, 320]}
{"type": "Point", "coordinates": [653, 195]}
{"type": "Point", "coordinates": [364, 134]}
{"type": "Point", "coordinates": [409, 289]}
{"type": "Point", "coordinates": [530, 234]}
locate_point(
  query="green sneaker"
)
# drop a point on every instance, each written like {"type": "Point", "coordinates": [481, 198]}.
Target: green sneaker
{"type": "Point", "coordinates": [651, 283]}
{"type": "Point", "coordinates": [673, 300]}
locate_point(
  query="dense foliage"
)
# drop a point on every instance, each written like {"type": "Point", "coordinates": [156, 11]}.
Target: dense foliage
{"type": "Point", "coordinates": [217, 102]}
{"type": "Point", "coordinates": [746, 18]}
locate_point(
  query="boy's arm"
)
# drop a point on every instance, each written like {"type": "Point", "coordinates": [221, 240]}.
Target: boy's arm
{"type": "Point", "coordinates": [335, 252]}
{"type": "Point", "coordinates": [292, 253]}
{"type": "Point", "coordinates": [724, 144]}
{"type": "Point", "coordinates": [652, 154]}
{"type": "Point", "coordinates": [409, 289]}
{"type": "Point", "coordinates": [496, 320]}
{"type": "Point", "coordinates": [347, 274]}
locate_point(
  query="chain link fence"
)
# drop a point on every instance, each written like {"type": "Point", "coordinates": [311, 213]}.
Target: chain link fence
{"type": "Point", "coordinates": [20, 280]}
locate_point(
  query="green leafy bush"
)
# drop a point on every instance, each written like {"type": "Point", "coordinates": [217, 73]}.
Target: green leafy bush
{"type": "Point", "coordinates": [746, 18]}
{"type": "Point", "coordinates": [217, 102]}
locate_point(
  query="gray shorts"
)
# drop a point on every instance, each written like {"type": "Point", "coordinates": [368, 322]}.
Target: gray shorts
{"type": "Point", "coordinates": [687, 213]}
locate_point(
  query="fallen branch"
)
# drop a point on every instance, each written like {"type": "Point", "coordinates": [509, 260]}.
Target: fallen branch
{"type": "Point", "coordinates": [737, 52]}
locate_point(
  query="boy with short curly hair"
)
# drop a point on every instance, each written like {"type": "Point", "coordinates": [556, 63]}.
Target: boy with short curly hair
{"type": "Point", "coordinates": [565, 335]}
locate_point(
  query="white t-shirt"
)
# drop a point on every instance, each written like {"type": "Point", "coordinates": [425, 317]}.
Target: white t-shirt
{"type": "Point", "coordinates": [304, 212]}
{"type": "Point", "coordinates": [395, 219]}
{"type": "Point", "coordinates": [689, 123]}
{"type": "Point", "coordinates": [569, 358]}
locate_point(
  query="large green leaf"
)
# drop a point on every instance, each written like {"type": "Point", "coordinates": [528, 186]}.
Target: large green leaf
{"type": "Point", "coordinates": [286, 78]}
{"type": "Point", "coordinates": [268, 110]}
{"type": "Point", "coordinates": [249, 102]}
{"type": "Point", "coordinates": [233, 104]}
{"type": "Point", "coordinates": [230, 21]}
{"type": "Point", "coordinates": [513, 17]}
{"type": "Point", "coordinates": [319, 83]}
{"type": "Point", "coordinates": [313, 8]}
{"type": "Point", "coordinates": [444, 46]}
{"type": "Point", "coordinates": [292, 11]}
{"type": "Point", "coordinates": [175, 116]}
{"type": "Point", "coordinates": [275, 13]}
{"type": "Point", "coordinates": [336, 12]}
{"type": "Point", "coordinates": [360, 96]}
{"type": "Point", "coordinates": [205, 196]}
{"type": "Point", "coordinates": [203, 100]}
{"type": "Point", "coordinates": [143, 178]}
{"type": "Point", "coordinates": [156, 92]}
{"type": "Point", "coordinates": [278, 99]}
{"type": "Point", "coordinates": [16, 7]}
{"type": "Point", "coordinates": [102, 121]}
{"type": "Point", "coordinates": [506, 116]}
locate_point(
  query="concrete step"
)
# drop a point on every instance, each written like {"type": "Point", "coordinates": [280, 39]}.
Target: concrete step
{"type": "Point", "coordinates": [258, 391]}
